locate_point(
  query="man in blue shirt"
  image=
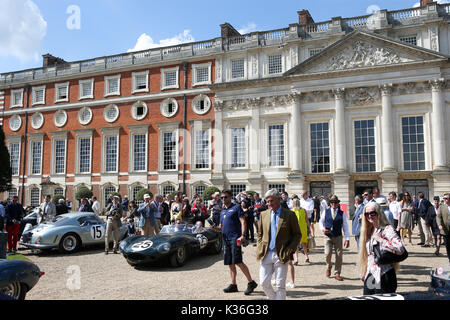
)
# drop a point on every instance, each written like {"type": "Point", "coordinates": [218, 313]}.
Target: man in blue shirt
{"type": "Point", "coordinates": [357, 219]}
{"type": "Point", "coordinates": [2, 216]}
{"type": "Point", "coordinates": [233, 225]}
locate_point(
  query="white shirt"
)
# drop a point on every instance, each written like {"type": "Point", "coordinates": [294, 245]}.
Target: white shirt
{"type": "Point", "coordinates": [344, 223]}
{"type": "Point", "coordinates": [395, 208]}
{"type": "Point", "coordinates": [323, 206]}
{"type": "Point", "coordinates": [96, 207]}
{"type": "Point", "coordinates": [308, 205]}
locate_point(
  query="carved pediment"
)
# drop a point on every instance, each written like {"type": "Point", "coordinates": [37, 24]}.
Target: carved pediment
{"type": "Point", "coordinates": [360, 50]}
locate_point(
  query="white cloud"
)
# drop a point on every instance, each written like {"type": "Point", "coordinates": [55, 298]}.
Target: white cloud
{"type": "Point", "coordinates": [250, 27]}
{"type": "Point", "coordinates": [145, 41]}
{"type": "Point", "coordinates": [22, 29]}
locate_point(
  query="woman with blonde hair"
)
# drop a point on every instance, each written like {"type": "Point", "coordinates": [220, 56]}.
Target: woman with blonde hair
{"type": "Point", "coordinates": [376, 230]}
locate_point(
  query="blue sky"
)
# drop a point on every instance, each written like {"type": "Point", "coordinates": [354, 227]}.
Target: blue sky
{"type": "Point", "coordinates": [30, 28]}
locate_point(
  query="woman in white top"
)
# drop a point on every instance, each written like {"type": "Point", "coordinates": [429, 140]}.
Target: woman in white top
{"type": "Point", "coordinates": [175, 209]}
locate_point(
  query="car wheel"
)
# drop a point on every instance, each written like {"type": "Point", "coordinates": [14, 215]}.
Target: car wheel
{"type": "Point", "coordinates": [15, 290]}
{"type": "Point", "coordinates": [217, 246]}
{"type": "Point", "coordinates": [178, 258]}
{"type": "Point", "coordinates": [69, 243]}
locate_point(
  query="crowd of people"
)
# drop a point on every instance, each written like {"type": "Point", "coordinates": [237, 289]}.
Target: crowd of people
{"type": "Point", "coordinates": [279, 225]}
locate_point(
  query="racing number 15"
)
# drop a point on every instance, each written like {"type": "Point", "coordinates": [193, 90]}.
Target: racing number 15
{"type": "Point", "coordinates": [96, 232]}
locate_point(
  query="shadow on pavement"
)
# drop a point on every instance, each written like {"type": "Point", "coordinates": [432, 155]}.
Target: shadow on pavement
{"type": "Point", "coordinates": [201, 261]}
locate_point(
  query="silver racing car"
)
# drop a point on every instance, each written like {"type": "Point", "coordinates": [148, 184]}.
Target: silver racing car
{"type": "Point", "coordinates": [68, 232]}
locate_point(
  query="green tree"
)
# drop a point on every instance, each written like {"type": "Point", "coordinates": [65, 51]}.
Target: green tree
{"type": "Point", "coordinates": [141, 193]}
{"type": "Point", "coordinates": [56, 197]}
{"type": "Point", "coordinates": [84, 192]}
{"type": "Point", "coordinates": [5, 164]}
{"type": "Point", "coordinates": [208, 192]}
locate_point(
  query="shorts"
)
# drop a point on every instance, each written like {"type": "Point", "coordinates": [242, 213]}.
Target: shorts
{"type": "Point", "coordinates": [232, 253]}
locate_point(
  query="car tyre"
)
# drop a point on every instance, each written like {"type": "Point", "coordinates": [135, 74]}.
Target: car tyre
{"type": "Point", "coordinates": [69, 243]}
{"type": "Point", "coordinates": [16, 290]}
{"type": "Point", "coordinates": [178, 258]}
{"type": "Point", "coordinates": [216, 247]}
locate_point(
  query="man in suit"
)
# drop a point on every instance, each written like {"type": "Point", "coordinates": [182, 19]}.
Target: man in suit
{"type": "Point", "coordinates": [61, 207]}
{"type": "Point", "coordinates": [442, 220]}
{"type": "Point", "coordinates": [147, 221]}
{"type": "Point", "coordinates": [426, 238]}
{"type": "Point", "coordinates": [113, 224]}
{"type": "Point", "coordinates": [13, 215]}
{"type": "Point", "coordinates": [278, 238]}
{"type": "Point", "coordinates": [357, 219]}
{"type": "Point", "coordinates": [48, 208]}
{"type": "Point", "coordinates": [332, 223]}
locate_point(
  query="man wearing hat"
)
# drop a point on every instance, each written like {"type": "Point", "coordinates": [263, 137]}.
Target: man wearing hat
{"type": "Point", "coordinates": [147, 221]}
{"type": "Point", "coordinates": [113, 224]}
{"type": "Point", "coordinates": [332, 223]}
{"type": "Point", "coordinates": [384, 206]}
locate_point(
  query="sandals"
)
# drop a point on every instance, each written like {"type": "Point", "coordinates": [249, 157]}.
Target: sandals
{"type": "Point", "coordinates": [307, 261]}
{"type": "Point", "coordinates": [296, 263]}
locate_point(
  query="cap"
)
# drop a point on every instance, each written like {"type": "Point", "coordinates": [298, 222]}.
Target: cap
{"type": "Point", "coordinates": [334, 198]}
{"type": "Point", "coordinates": [436, 198]}
{"type": "Point", "coordinates": [381, 201]}
{"type": "Point", "coordinates": [146, 196]}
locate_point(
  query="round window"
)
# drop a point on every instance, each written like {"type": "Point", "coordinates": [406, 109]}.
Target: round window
{"type": "Point", "coordinates": [85, 116]}
{"type": "Point", "coordinates": [15, 122]}
{"type": "Point", "coordinates": [201, 104]}
{"type": "Point", "coordinates": [60, 118]}
{"type": "Point", "coordinates": [37, 120]}
{"type": "Point", "coordinates": [139, 110]}
{"type": "Point", "coordinates": [111, 113]}
{"type": "Point", "coordinates": [169, 107]}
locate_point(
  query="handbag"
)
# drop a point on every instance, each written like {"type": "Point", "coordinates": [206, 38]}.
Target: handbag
{"type": "Point", "coordinates": [387, 257]}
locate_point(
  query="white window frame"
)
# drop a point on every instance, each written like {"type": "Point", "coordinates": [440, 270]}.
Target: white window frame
{"type": "Point", "coordinates": [15, 117]}
{"type": "Point", "coordinates": [137, 130]}
{"type": "Point", "coordinates": [59, 136]}
{"type": "Point", "coordinates": [109, 78]}
{"type": "Point", "coordinates": [106, 133]}
{"type": "Point", "coordinates": [81, 83]}
{"type": "Point", "coordinates": [200, 125]}
{"type": "Point", "coordinates": [207, 103]}
{"type": "Point", "coordinates": [268, 63]}
{"type": "Point", "coordinates": [330, 146]}
{"type": "Point", "coordinates": [163, 78]}
{"type": "Point", "coordinates": [314, 51]}
{"type": "Point", "coordinates": [84, 123]}
{"type": "Point", "coordinates": [33, 95]}
{"type": "Point", "coordinates": [83, 134]}
{"type": "Point", "coordinates": [41, 118]}
{"type": "Point", "coordinates": [285, 151]}
{"type": "Point", "coordinates": [237, 125]}
{"type": "Point", "coordinates": [134, 75]}
{"type": "Point", "coordinates": [195, 81]}
{"type": "Point", "coordinates": [231, 68]}
{"type": "Point", "coordinates": [167, 127]}
{"type": "Point", "coordinates": [59, 86]}
{"type": "Point", "coordinates": [13, 103]}
{"type": "Point", "coordinates": [164, 104]}
{"type": "Point", "coordinates": [425, 140]}
{"type": "Point", "coordinates": [106, 111]}
{"type": "Point", "coordinates": [134, 110]}
{"type": "Point", "coordinates": [15, 140]}
{"type": "Point", "coordinates": [354, 145]}
{"type": "Point", "coordinates": [62, 124]}
{"type": "Point", "coordinates": [405, 37]}
{"type": "Point", "coordinates": [38, 137]}
{"type": "Point", "coordinates": [32, 187]}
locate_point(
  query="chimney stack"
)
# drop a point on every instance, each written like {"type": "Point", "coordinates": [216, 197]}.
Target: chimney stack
{"type": "Point", "coordinates": [227, 30]}
{"type": "Point", "coordinates": [423, 3]}
{"type": "Point", "coordinates": [50, 60]}
{"type": "Point", "coordinates": [304, 17]}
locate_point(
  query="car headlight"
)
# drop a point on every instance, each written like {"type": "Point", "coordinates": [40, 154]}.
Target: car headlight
{"type": "Point", "coordinates": [165, 247]}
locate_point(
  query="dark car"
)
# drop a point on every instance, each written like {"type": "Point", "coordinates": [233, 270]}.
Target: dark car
{"type": "Point", "coordinates": [17, 277]}
{"type": "Point", "coordinates": [174, 242]}
{"type": "Point", "coordinates": [439, 289]}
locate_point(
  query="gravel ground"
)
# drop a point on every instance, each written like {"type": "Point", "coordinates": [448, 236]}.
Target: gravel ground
{"type": "Point", "coordinates": [91, 275]}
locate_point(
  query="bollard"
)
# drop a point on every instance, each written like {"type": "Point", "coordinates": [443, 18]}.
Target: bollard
{"type": "Point", "coordinates": [3, 241]}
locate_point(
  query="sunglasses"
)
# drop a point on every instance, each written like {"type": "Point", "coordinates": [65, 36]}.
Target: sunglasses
{"type": "Point", "coordinates": [445, 198]}
{"type": "Point", "coordinates": [365, 194]}
{"type": "Point", "coordinates": [371, 213]}
{"type": "Point", "coordinates": [223, 197]}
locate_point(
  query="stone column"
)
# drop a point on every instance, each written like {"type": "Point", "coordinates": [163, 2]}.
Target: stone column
{"type": "Point", "coordinates": [217, 178]}
{"type": "Point", "coordinates": [437, 126]}
{"type": "Point", "coordinates": [295, 176]}
{"type": "Point", "coordinates": [387, 135]}
{"type": "Point", "coordinates": [339, 130]}
{"type": "Point", "coordinates": [295, 141]}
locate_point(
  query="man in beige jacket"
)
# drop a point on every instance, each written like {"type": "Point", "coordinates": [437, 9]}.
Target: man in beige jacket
{"type": "Point", "coordinates": [443, 223]}
{"type": "Point", "coordinates": [278, 238]}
